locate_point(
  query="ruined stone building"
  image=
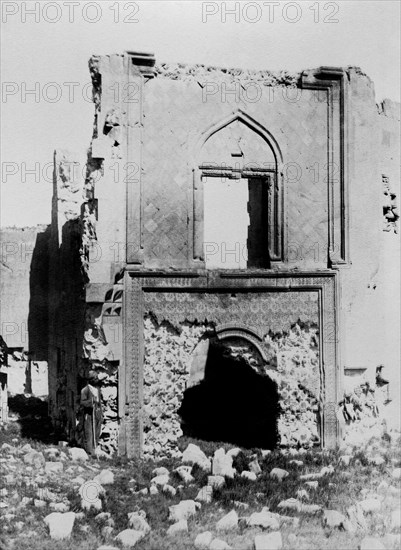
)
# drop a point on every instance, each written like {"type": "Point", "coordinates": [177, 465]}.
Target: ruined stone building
{"type": "Point", "coordinates": [243, 213]}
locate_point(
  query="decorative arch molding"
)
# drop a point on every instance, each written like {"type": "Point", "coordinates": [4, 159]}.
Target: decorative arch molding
{"type": "Point", "coordinates": [273, 177]}
{"type": "Point", "coordinates": [238, 331]}
{"type": "Point", "coordinates": [243, 117]}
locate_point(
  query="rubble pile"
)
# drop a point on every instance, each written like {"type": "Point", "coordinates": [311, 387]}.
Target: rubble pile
{"type": "Point", "coordinates": [362, 412]}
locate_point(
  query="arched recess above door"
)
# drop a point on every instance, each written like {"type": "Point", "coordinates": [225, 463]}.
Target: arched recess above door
{"type": "Point", "coordinates": [238, 147]}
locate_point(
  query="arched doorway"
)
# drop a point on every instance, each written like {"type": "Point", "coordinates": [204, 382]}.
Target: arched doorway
{"type": "Point", "coordinates": [233, 403]}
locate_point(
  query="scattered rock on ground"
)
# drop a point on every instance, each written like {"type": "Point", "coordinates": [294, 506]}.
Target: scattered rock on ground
{"type": "Point", "coordinates": [130, 537]}
{"type": "Point", "coordinates": [60, 525]}
{"type": "Point", "coordinates": [53, 467]}
{"type": "Point", "coordinates": [263, 519]}
{"type": "Point", "coordinates": [179, 527]}
{"type": "Point", "coordinates": [228, 522]}
{"type": "Point", "coordinates": [105, 477]}
{"type": "Point", "coordinates": [215, 481]}
{"type": "Point", "coordinates": [161, 471]}
{"type": "Point", "coordinates": [77, 453]}
{"type": "Point", "coordinates": [223, 464]}
{"type": "Point", "coordinates": [251, 476]}
{"type": "Point", "coordinates": [183, 510]}
{"type": "Point", "coordinates": [203, 540]}
{"type": "Point", "coordinates": [205, 494]}
{"type": "Point", "coordinates": [35, 459]}
{"type": "Point", "coordinates": [137, 521]}
{"type": "Point", "coordinates": [194, 455]}
{"type": "Point", "coordinates": [185, 473]}
{"type": "Point", "coordinates": [279, 473]}
{"type": "Point", "coordinates": [333, 519]}
{"type": "Point", "coordinates": [270, 541]}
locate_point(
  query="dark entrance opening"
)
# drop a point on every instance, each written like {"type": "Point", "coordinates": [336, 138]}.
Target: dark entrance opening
{"type": "Point", "coordinates": [233, 403]}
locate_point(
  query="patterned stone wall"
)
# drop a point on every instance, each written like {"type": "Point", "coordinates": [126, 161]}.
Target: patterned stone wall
{"type": "Point", "coordinates": [293, 365]}
{"type": "Point", "coordinates": [177, 112]}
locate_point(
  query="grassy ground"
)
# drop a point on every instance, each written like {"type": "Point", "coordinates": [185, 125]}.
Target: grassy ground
{"type": "Point", "coordinates": [337, 491]}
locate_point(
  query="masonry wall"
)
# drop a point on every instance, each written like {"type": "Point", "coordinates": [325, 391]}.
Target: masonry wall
{"type": "Point", "coordinates": [137, 205]}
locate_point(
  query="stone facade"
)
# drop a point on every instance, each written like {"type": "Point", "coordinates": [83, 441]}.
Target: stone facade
{"type": "Point", "coordinates": [127, 250]}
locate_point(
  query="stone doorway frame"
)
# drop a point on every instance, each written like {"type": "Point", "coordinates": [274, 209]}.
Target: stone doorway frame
{"type": "Point", "coordinates": [136, 283]}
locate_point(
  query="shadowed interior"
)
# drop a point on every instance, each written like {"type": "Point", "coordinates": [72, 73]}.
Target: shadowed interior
{"type": "Point", "coordinates": [233, 403]}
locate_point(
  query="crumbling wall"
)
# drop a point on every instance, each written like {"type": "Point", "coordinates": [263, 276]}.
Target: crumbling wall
{"type": "Point", "coordinates": [363, 411]}
{"type": "Point", "coordinates": [294, 366]}
{"type": "Point", "coordinates": [166, 374]}
{"type": "Point", "coordinates": [298, 378]}
{"type": "Point", "coordinates": [370, 284]}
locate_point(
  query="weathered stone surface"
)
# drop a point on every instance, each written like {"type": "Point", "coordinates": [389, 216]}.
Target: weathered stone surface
{"type": "Point", "coordinates": [130, 537]}
{"type": "Point", "coordinates": [249, 475]}
{"type": "Point", "coordinates": [180, 527]}
{"type": "Point", "coordinates": [222, 464]}
{"type": "Point", "coordinates": [169, 490]}
{"type": "Point", "coordinates": [35, 459]}
{"type": "Point", "coordinates": [194, 455]}
{"type": "Point", "coordinates": [333, 519]}
{"type": "Point", "coordinates": [60, 525]}
{"type": "Point", "coordinates": [254, 467]}
{"type": "Point", "coordinates": [203, 540]}
{"type": "Point", "coordinates": [185, 473]}
{"type": "Point", "coordinates": [205, 494]}
{"type": "Point", "coordinates": [279, 473]}
{"type": "Point", "coordinates": [53, 467]}
{"type": "Point", "coordinates": [228, 522]}
{"type": "Point", "coordinates": [137, 521]}
{"type": "Point", "coordinates": [76, 453]}
{"type": "Point", "coordinates": [216, 481]}
{"type": "Point", "coordinates": [161, 480]}
{"type": "Point", "coordinates": [87, 504]}
{"type": "Point", "coordinates": [219, 544]}
{"type": "Point", "coordinates": [264, 519]}
{"type": "Point", "coordinates": [289, 504]}
{"type": "Point", "coordinates": [105, 477]}
{"type": "Point", "coordinates": [161, 471]}
{"type": "Point", "coordinates": [59, 507]}
{"type": "Point", "coordinates": [270, 541]}
{"type": "Point", "coordinates": [183, 510]}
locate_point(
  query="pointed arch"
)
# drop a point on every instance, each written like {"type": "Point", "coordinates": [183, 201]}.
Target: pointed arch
{"type": "Point", "coordinates": [243, 117]}
{"type": "Point", "coordinates": [273, 177]}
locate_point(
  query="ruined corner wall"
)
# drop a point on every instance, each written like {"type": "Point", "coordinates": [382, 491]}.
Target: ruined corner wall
{"type": "Point", "coordinates": [370, 285]}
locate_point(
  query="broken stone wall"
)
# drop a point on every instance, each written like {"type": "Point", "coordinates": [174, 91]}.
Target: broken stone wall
{"type": "Point", "coordinates": [370, 286]}
{"type": "Point", "coordinates": [294, 366]}
{"type": "Point", "coordinates": [389, 274]}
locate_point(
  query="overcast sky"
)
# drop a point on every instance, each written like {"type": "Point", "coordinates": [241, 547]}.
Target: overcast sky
{"type": "Point", "coordinates": [47, 47]}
